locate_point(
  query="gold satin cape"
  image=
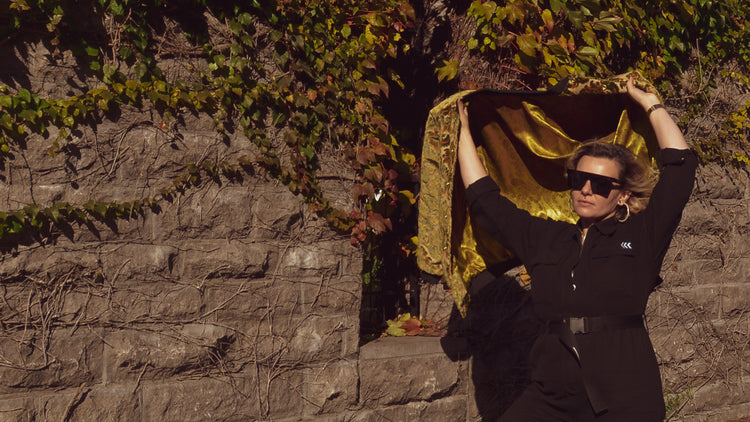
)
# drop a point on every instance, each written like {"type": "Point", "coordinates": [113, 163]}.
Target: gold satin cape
{"type": "Point", "coordinates": [524, 140]}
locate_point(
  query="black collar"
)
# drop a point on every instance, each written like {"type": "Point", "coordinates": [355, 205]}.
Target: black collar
{"type": "Point", "coordinates": [605, 227]}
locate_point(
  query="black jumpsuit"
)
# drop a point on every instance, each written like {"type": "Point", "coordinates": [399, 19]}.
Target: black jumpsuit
{"type": "Point", "coordinates": [611, 274]}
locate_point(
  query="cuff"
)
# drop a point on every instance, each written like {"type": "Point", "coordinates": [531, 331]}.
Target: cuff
{"type": "Point", "coordinates": [672, 156]}
{"type": "Point", "coordinates": [480, 188]}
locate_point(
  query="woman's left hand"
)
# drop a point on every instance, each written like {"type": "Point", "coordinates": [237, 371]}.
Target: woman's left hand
{"type": "Point", "coordinates": [643, 98]}
{"type": "Point", "coordinates": [668, 134]}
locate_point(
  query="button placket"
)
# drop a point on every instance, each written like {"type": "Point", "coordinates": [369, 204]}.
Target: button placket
{"type": "Point", "coordinates": [572, 280]}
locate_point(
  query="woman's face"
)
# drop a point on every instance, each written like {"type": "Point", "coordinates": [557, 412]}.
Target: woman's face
{"type": "Point", "coordinates": [593, 207]}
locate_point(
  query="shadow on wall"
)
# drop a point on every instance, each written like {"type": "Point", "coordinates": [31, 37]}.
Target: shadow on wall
{"type": "Point", "coordinates": [500, 328]}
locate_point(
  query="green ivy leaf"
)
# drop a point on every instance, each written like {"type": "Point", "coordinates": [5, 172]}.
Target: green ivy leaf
{"type": "Point", "coordinates": [448, 71]}
{"type": "Point", "coordinates": [346, 31]}
{"type": "Point", "coordinates": [528, 44]}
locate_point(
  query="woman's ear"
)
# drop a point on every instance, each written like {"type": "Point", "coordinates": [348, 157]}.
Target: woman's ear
{"type": "Point", "coordinates": [624, 196]}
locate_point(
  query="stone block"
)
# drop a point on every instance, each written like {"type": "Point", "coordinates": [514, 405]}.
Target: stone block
{"type": "Point", "coordinates": [687, 248]}
{"type": "Point", "coordinates": [332, 387]}
{"type": "Point", "coordinates": [735, 299]}
{"type": "Point", "coordinates": [317, 338]}
{"type": "Point", "coordinates": [436, 303]}
{"type": "Point", "coordinates": [162, 351]}
{"type": "Point", "coordinates": [399, 370]}
{"type": "Point", "coordinates": [258, 299]}
{"type": "Point", "coordinates": [135, 302]}
{"type": "Point", "coordinates": [81, 305]}
{"type": "Point", "coordinates": [699, 217]}
{"type": "Point", "coordinates": [16, 408]}
{"type": "Point", "coordinates": [733, 413]}
{"type": "Point", "coordinates": [84, 306]}
{"type": "Point", "coordinates": [219, 259]}
{"type": "Point", "coordinates": [295, 341]}
{"type": "Point", "coordinates": [329, 295]}
{"type": "Point", "coordinates": [234, 301]}
{"type": "Point", "coordinates": [117, 403]}
{"type": "Point", "coordinates": [281, 220]}
{"type": "Point", "coordinates": [320, 258]}
{"type": "Point", "coordinates": [204, 399]}
{"type": "Point", "coordinates": [720, 394]}
{"type": "Point", "coordinates": [212, 211]}
{"type": "Point", "coordinates": [49, 263]}
{"type": "Point", "coordinates": [693, 272]}
{"type": "Point", "coordinates": [282, 391]}
{"type": "Point", "coordinates": [692, 352]}
{"type": "Point", "coordinates": [680, 303]}
{"type": "Point", "coordinates": [717, 183]}
{"type": "Point", "coordinates": [138, 261]}
{"type": "Point", "coordinates": [676, 344]}
{"type": "Point", "coordinates": [336, 417]}
{"type": "Point", "coordinates": [225, 211]}
{"type": "Point", "coordinates": [38, 358]}
{"type": "Point", "coordinates": [445, 409]}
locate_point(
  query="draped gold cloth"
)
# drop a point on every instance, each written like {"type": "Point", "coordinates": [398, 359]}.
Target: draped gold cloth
{"type": "Point", "coordinates": [524, 140]}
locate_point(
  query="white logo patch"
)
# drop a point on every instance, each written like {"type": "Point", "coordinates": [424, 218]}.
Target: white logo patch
{"type": "Point", "coordinates": [626, 245]}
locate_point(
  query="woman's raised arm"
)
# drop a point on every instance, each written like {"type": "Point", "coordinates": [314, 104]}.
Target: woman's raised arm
{"type": "Point", "coordinates": [667, 132]}
{"type": "Point", "coordinates": [468, 160]}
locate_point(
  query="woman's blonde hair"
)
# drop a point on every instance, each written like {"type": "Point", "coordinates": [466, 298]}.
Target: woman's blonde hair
{"type": "Point", "coordinates": [634, 176]}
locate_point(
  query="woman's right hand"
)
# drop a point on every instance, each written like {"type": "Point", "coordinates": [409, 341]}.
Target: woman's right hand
{"type": "Point", "coordinates": [463, 113]}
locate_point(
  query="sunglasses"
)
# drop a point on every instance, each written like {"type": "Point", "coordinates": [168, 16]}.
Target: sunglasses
{"type": "Point", "coordinates": [600, 185]}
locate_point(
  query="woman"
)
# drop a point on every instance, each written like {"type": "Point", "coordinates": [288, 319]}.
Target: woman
{"type": "Point", "coordinates": [591, 280]}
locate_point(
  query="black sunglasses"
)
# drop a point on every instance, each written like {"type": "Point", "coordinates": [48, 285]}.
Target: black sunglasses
{"type": "Point", "coordinates": [600, 185]}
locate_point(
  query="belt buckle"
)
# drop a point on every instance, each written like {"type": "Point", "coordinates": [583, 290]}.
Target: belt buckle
{"type": "Point", "coordinates": [577, 325]}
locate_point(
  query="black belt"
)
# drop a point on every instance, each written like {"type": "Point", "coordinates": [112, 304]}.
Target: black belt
{"type": "Point", "coordinates": [585, 325]}
{"type": "Point", "coordinates": [566, 328]}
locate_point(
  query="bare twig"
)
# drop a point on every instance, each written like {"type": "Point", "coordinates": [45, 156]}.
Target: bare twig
{"type": "Point", "coordinates": [73, 402]}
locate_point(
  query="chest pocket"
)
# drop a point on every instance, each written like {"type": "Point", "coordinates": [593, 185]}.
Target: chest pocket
{"type": "Point", "coordinates": [614, 266]}
{"type": "Point", "coordinates": [615, 249]}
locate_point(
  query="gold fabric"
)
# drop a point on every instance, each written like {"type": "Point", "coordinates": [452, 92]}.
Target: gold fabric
{"type": "Point", "coordinates": [524, 140]}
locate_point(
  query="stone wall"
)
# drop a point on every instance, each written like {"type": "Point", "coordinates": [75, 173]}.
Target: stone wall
{"type": "Point", "coordinates": [234, 302]}
{"type": "Point", "coordinates": [698, 319]}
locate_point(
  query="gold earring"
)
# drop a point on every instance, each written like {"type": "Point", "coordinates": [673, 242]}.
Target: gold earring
{"type": "Point", "coordinates": [627, 215]}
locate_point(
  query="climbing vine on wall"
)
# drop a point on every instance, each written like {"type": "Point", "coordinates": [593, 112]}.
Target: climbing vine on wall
{"type": "Point", "coordinates": [560, 38]}
{"type": "Point", "coordinates": [307, 73]}
{"type": "Point", "coordinates": [556, 39]}
{"type": "Point", "coordinates": [302, 75]}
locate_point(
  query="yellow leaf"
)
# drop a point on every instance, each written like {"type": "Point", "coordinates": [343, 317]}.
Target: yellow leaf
{"type": "Point", "coordinates": [448, 71]}
{"type": "Point", "coordinates": [548, 19]}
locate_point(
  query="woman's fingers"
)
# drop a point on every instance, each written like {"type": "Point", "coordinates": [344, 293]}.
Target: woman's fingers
{"type": "Point", "coordinates": [463, 113]}
{"type": "Point", "coordinates": [645, 99]}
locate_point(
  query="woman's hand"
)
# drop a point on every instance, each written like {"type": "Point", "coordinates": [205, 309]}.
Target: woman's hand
{"type": "Point", "coordinates": [668, 134]}
{"type": "Point", "coordinates": [463, 113]}
{"type": "Point", "coordinates": [645, 99]}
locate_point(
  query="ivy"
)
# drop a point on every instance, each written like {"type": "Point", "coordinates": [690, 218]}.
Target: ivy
{"type": "Point", "coordinates": [299, 77]}
{"type": "Point", "coordinates": [326, 77]}
{"type": "Point", "coordinates": [561, 38]}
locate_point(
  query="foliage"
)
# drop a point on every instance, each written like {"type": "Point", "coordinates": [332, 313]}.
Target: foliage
{"type": "Point", "coordinates": [408, 325]}
{"type": "Point", "coordinates": [296, 77]}
{"type": "Point", "coordinates": [561, 38]}
{"type": "Point", "coordinates": [321, 88]}
{"type": "Point", "coordinates": [729, 144]}
{"type": "Point", "coordinates": [556, 39]}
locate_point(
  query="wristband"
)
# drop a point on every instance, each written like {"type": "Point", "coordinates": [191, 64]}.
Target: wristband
{"type": "Point", "coordinates": [653, 107]}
